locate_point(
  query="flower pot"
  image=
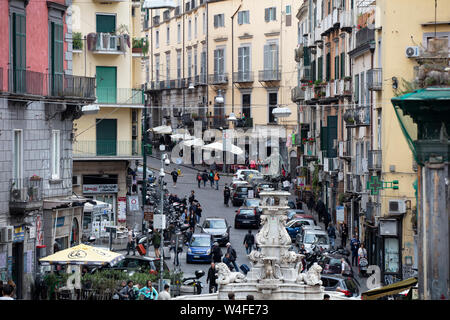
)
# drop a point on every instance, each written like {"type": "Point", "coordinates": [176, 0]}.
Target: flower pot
{"type": "Point", "coordinates": [136, 50]}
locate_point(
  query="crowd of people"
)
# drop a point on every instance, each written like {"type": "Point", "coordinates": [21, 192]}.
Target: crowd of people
{"type": "Point", "coordinates": [130, 291]}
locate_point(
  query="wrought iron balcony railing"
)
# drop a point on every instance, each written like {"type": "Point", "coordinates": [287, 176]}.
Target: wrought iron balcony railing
{"type": "Point", "coordinates": [270, 75]}
{"type": "Point", "coordinates": [218, 78]}
{"type": "Point", "coordinates": [243, 76]}
{"type": "Point", "coordinates": [375, 79]}
{"type": "Point", "coordinates": [358, 116]}
{"type": "Point", "coordinates": [375, 160]}
{"type": "Point", "coordinates": [25, 194]}
{"type": "Point", "coordinates": [106, 148]}
{"type": "Point", "coordinates": [120, 96]}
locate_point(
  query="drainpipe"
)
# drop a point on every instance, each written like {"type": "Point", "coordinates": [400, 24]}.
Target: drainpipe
{"type": "Point", "coordinates": [232, 57]}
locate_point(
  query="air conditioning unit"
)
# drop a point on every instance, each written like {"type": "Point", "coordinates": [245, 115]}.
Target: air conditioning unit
{"type": "Point", "coordinates": [412, 51]}
{"type": "Point", "coordinates": [397, 207]}
{"type": "Point", "coordinates": [6, 234]}
{"type": "Point", "coordinates": [297, 94]}
{"type": "Point", "coordinates": [299, 53]}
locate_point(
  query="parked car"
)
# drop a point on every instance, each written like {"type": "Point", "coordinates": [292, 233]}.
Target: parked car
{"type": "Point", "coordinates": [299, 214]}
{"type": "Point", "coordinates": [264, 186]}
{"type": "Point", "coordinates": [247, 217]}
{"type": "Point", "coordinates": [199, 248]}
{"type": "Point", "coordinates": [350, 286]}
{"type": "Point", "coordinates": [135, 264]}
{"type": "Point", "coordinates": [293, 227]}
{"type": "Point", "coordinates": [331, 264]}
{"type": "Point", "coordinates": [253, 203]}
{"type": "Point", "coordinates": [244, 174]}
{"type": "Point", "coordinates": [239, 194]}
{"type": "Point", "coordinates": [218, 228]}
{"type": "Point", "coordinates": [312, 237]}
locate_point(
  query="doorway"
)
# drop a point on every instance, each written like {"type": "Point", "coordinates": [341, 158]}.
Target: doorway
{"type": "Point", "coordinates": [17, 267]}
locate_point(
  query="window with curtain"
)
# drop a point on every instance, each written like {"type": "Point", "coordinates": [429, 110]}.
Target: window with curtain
{"type": "Point", "coordinates": [219, 62]}
{"type": "Point", "coordinates": [244, 63]}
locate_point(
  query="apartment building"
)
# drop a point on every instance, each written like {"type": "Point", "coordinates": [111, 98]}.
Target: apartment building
{"type": "Point", "coordinates": [39, 100]}
{"type": "Point", "coordinates": [222, 58]}
{"type": "Point", "coordinates": [373, 174]}
{"type": "Point", "coordinates": [111, 47]}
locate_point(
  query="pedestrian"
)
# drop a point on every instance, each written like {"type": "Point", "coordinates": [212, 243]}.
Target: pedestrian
{"type": "Point", "coordinates": [136, 289]}
{"type": "Point", "coordinates": [174, 174]}
{"type": "Point", "coordinates": [165, 294]}
{"type": "Point", "coordinates": [131, 241]}
{"type": "Point", "coordinates": [184, 216]}
{"type": "Point", "coordinates": [199, 179]}
{"type": "Point", "coordinates": [226, 194]}
{"type": "Point", "coordinates": [326, 297]}
{"type": "Point", "coordinates": [127, 292]}
{"type": "Point", "coordinates": [192, 197]}
{"type": "Point", "coordinates": [156, 242]}
{"type": "Point", "coordinates": [362, 254]}
{"type": "Point", "coordinates": [211, 278]}
{"type": "Point", "coordinates": [332, 235]}
{"type": "Point", "coordinates": [148, 292]}
{"type": "Point", "coordinates": [233, 256]}
{"type": "Point", "coordinates": [354, 246]}
{"type": "Point", "coordinates": [249, 240]}
{"type": "Point", "coordinates": [227, 260]}
{"type": "Point", "coordinates": [204, 178]}
{"type": "Point", "coordinates": [252, 164]}
{"type": "Point", "coordinates": [8, 292]}
{"type": "Point", "coordinates": [211, 178]}
{"type": "Point", "coordinates": [250, 297]}
{"type": "Point", "coordinates": [216, 179]}
{"type": "Point", "coordinates": [231, 296]}
{"type": "Point", "coordinates": [192, 218]}
{"type": "Point", "coordinates": [198, 212]}
{"type": "Point", "coordinates": [345, 268]}
{"type": "Point", "coordinates": [344, 234]}
{"type": "Point", "coordinates": [216, 253]}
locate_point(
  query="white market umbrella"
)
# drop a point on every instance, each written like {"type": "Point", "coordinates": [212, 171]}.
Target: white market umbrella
{"type": "Point", "coordinates": [161, 130]}
{"type": "Point", "coordinates": [181, 136]}
{"type": "Point", "coordinates": [197, 142]}
{"type": "Point", "coordinates": [218, 146]}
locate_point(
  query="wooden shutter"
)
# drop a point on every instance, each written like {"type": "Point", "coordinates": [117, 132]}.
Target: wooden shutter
{"type": "Point", "coordinates": [267, 57]}
{"type": "Point", "coordinates": [240, 61]}
{"type": "Point", "coordinates": [106, 23]}
{"type": "Point", "coordinates": [274, 9]}
{"type": "Point", "coordinates": [266, 14]}
{"type": "Point", "coordinates": [328, 66]}
{"type": "Point", "coordinates": [342, 65]}
{"type": "Point", "coordinates": [336, 67]}
{"type": "Point", "coordinates": [323, 138]}
{"type": "Point", "coordinates": [332, 135]}
{"type": "Point", "coordinates": [57, 56]}
{"type": "Point", "coordinates": [306, 56]}
{"type": "Point", "coordinates": [216, 18]}
{"type": "Point", "coordinates": [356, 86]}
{"type": "Point", "coordinates": [240, 20]}
{"type": "Point", "coordinates": [19, 52]}
{"type": "Point", "coordinates": [320, 69]}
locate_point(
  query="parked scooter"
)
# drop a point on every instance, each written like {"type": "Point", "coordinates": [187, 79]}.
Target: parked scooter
{"type": "Point", "coordinates": [193, 285]}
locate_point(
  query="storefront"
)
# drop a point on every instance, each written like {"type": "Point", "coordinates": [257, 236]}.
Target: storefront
{"type": "Point", "coordinates": [103, 188]}
{"type": "Point", "coordinates": [390, 232]}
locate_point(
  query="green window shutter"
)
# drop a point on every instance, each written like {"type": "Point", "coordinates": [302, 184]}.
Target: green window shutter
{"type": "Point", "coordinates": [320, 68]}
{"type": "Point", "coordinates": [332, 135]}
{"type": "Point", "coordinates": [19, 52]}
{"type": "Point", "coordinates": [328, 67]}
{"type": "Point", "coordinates": [342, 65]}
{"type": "Point", "coordinates": [323, 138]}
{"type": "Point", "coordinates": [106, 84]}
{"type": "Point", "coordinates": [106, 23]}
{"type": "Point", "coordinates": [356, 86]}
{"type": "Point", "coordinates": [313, 70]}
{"type": "Point", "coordinates": [306, 56]}
{"type": "Point", "coordinates": [106, 137]}
{"type": "Point", "coordinates": [57, 58]}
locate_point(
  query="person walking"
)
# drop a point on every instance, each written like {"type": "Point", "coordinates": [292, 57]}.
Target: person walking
{"type": "Point", "coordinates": [204, 178]}
{"type": "Point", "coordinates": [354, 246]}
{"type": "Point", "coordinates": [345, 268]}
{"type": "Point", "coordinates": [344, 234]}
{"type": "Point", "coordinates": [211, 178]}
{"type": "Point", "coordinates": [233, 256]}
{"type": "Point", "coordinates": [127, 292]}
{"type": "Point", "coordinates": [249, 241]}
{"type": "Point", "coordinates": [131, 241]}
{"type": "Point", "coordinates": [216, 180]}
{"type": "Point", "coordinates": [199, 179]}
{"type": "Point", "coordinates": [174, 174]}
{"type": "Point", "coordinates": [164, 295]}
{"type": "Point", "coordinates": [362, 254]}
{"type": "Point", "coordinates": [148, 292]}
{"type": "Point", "coordinates": [192, 218]}
{"type": "Point", "coordinates": [198, 212]}
{"type": "Point", "coordinates": [8, 292]}
{"type": "Point", "coordinates": [216, 253]}
{"type": "Point", "coordinates": [226, 195]}
{"type": "Point", "coordinates": [211, 278]}
{"type": "Point", "coordinates": [192, 197]}
{"type": "Point", "coordinates": [156, 242]}
{"type": "Point", "coordinates": [332, 235]}
{"type": "Point", "coordinates": [228, 262]}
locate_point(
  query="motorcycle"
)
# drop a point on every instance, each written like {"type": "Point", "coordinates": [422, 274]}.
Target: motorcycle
{"type": "Point", "coordinates": [193, 285]}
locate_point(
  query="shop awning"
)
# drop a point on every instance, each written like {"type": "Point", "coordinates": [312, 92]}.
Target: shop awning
{"type": "Point", "coordinates": [83, 254]}
{"type": "Point", "coordinates": [161, 130]}
{"type": "Point", "coordinates": [389, 289]}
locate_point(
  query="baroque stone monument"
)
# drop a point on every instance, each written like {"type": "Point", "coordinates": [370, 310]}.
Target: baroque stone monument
{"type": "Point", "coordinates": [276, 272]}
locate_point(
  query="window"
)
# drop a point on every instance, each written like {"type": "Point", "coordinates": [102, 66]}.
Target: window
{"type": "Point", "coordinates": [195, 62]}
{"type": "Point", "coordinates": [195, 27]}
{"type": "Point", "coordinates": [189, 64]}
{"type": "Point", "coordinates": [18, 28]}
{"type": "Point", "coordinates": [18, 155]}
{"type": "Point", "coordinates": [157, 39]}
{"type": "Point", "coordinates": [273, 102]}
{"type": "Point", "coordinates": [204, 23]}
{"type": "Point", "coordinates": [219, 20]}
{"type": "Point", "coordinates": [219, 61]}
{"type": "Point", "coordinates": [179, 33]}
{"type": "Point", "coordinates": [391, 255]}
{"type": "Point", "coordinates": [157, 68]}
{"type": "Point", "coordinates": [244, 63]}
{"type": "Point", "coordinates": [244, 17]}
{"type": "Point", "coordinates": [168, 35]}
{"type": "Point", "coordinates": [178, 65]}
{"type": "Point", "coordinates": [270, 14]}
{"type": "Point", "coordinates": [356, 92]}
{"type": "Point", "coordinates": [55, 153]}
{"type": "Point", "coordinates": [190, 30]}
{"type": "Point", "coordinates": [167, 66]}
{"type": "Point", "coordinates": [106, 23]}
{"type": "Point", "coordinates": [246, 102]}
{"type": "Point", "coordinates": [289, 16]}
{"type": "Point", "coordinates": [271, 57]}
{"type": "Point", "coordinates": [203, 67]}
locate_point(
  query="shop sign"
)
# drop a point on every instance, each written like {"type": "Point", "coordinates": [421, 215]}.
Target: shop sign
{"type": "Point", "coordinates": [122, 209]}
{"type": "Point", "coordinates": [19, 234]}
{"type": "Point", "coordinates": [133, 203]}
{"type": "Point", "coordinates": [100, 188]}
{"type": "Point", "coordinates": [339, 214]}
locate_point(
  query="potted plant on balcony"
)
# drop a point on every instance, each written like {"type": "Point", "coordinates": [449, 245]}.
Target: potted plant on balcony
{"type": "Point", "coordinates": [77, 41]}
{"type": "Point", "coordinates": [140, 46]}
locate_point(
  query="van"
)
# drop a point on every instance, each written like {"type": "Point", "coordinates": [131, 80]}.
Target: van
{"type": "Point", "coordinates": [311, 237]}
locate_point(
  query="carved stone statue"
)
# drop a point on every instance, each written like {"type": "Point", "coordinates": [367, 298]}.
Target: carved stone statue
{"type": "Point", "coordinates": [263, 234]}
{"type": "Point", "coordinates": [255, 257]}
{"type": "Point", "coordinates": [271, 270]}
{"type": "Point", "coordinates": [225, 276]}
{"type": "Point", "coordinates": [312, 276]}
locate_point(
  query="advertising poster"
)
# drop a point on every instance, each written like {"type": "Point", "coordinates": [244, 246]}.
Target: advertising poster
{"type": "Point", "coordinates": [339, 214]}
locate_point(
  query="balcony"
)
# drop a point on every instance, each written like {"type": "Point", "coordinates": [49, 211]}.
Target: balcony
{"type": "Point", "coordinates": [109, 44]}
{"type": "Point", "coordinates": [328, 90]}
{"type": "Point", "coordinates": [346, 20]}
{"type": "Point", "coordinates": [375, 79]}
{"type": "Point", "coordinates": [243, 77]}
{"type": "Point", "coordinates": [345, 87]}
{"type": "Point", "coordinates": [120, 96]}
{"type": "Point", "coordinates": [177, 11]}
{"type": "Point", "coordinates": [166, 15]}
{"type": "Point", "coordinates": [218, 78]}
{"type": "Point", "coordinates": [358, 116]}
{"type": "Point", "coordinates": [24, 82]}
{"type": "Point", "coordinates": [244, 123]}
{"type": "Point", "coordinates": [156, 20]}
{"type": "Point", "coordinates": [327, 25]}
{"type": "Point", "coordinates": [25, 195]}
{"type": "Point", "coordinates": [335, 17]}
{"type": "Point", "coordinates": [318, 34]}
{"type": "Point", "coordinates": [364, 36]}
{"type": "Point", "coordinates": [309, 93]}
{"type": "Point", "coordinates": [106, 149]}
{"type": "Point", "coordinates": [305, 73]}
{"type": "Point", "coordinates": [336, 89]}
{"type": "Point", "coordinates": [375, 160]}
{"type": "Point", "coordinates": [270, 75]}
{"type": "Point", "coordinates": [201, 80]}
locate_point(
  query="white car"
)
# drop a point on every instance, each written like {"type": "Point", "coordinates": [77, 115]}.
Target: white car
{"type": "Point", "coordinates": [243, 174]}
{"type": "Point", "coordinates": [315, 237]}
